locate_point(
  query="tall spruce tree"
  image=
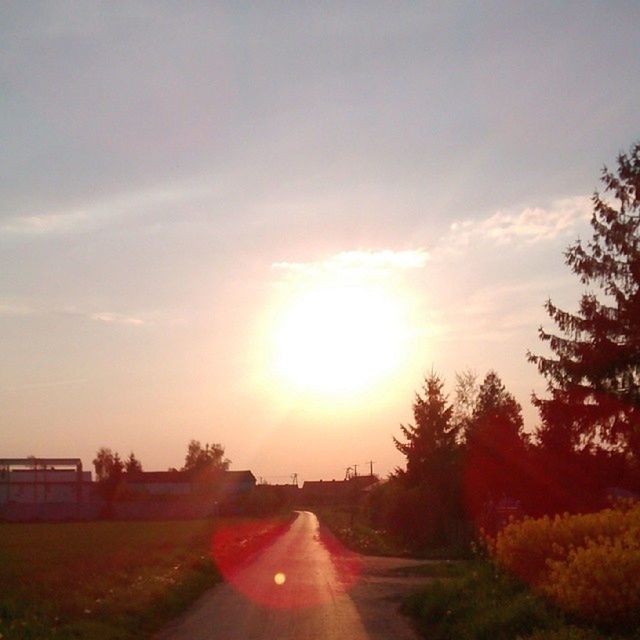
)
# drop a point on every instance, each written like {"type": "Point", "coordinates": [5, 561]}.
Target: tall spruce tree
{"type": "Point", "coordinates": [496, 452]}
{"type": "Point", "coordinates": [431, 441]}
{"type": "Point", "coordinates": [497, 414]}
{"type": "Point", "coordinates": [593, 376]}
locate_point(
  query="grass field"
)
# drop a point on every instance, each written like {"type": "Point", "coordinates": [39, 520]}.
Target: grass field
{"type": "Point", "coordinates": [108, 580]}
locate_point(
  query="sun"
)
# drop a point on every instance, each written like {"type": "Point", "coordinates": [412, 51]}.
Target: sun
{"type": "Point", "coordinates": [337, 338]}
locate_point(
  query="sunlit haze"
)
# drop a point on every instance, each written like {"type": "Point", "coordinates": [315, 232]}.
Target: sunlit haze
{"type": "Point", "coordinates": [262, 226]}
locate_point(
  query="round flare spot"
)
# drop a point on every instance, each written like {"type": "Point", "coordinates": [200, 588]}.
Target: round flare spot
{"type": "Point", "coordinates": [279, 578]}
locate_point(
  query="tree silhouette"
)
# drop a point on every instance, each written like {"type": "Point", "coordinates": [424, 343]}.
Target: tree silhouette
{"type": "Point", "coordinates": [593, 376]}
{"type": "Point", "coordinates": [433, 437]}
{"type": "Point", "coordinates": [496, 454]}
{"type": "Point", "coordinates": [426, 498]}
{"type": "Point", "coordinates": [132, 464]}
{"type": "Point", "coordinates": [107, 465]}
{"type": "Point", "coordinates": [208, 458]}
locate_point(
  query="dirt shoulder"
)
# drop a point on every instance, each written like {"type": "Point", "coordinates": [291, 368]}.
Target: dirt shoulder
{"type": "Point", "coordinates": [384, 583]}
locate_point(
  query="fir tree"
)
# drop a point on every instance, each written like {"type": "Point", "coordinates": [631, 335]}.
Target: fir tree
{"type": "Point", "coordinates": [593, 376]}
{"type": "Point", "coordinates": [432, 439]}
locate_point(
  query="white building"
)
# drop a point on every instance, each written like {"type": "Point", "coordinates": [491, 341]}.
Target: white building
{"type": "Point", "coordinates": [41, 481]}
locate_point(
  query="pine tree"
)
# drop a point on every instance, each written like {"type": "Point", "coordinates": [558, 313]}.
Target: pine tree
{"type": "Point", "coordinates": [497, 414]}
{"type": "Point", "coordinates": [433, 437]}
{"type": "Point", "coordinates": [427, 504]}
{"type": "Point", "coordinates": [496, 453]}
{"type": "Point", "coordinates": [593, 377]}
{"type": "Point", "coordinates": [132, 464]}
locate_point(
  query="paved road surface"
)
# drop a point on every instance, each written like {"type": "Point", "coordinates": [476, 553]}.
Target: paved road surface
{"type": "Point", "coordinates": [298, 589]}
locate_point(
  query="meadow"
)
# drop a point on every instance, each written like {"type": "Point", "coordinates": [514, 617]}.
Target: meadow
{"type": "Point", "coordinates": [111, 580]}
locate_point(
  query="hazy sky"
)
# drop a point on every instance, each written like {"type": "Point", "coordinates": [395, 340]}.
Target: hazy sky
{"type": "Point", "coordinates": [175, 174]}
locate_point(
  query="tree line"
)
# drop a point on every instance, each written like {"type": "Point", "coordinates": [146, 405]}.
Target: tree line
{"type": "Point", "coordinates": [468, 456]}
{"type": "Point", "coordinates": [111, 471]}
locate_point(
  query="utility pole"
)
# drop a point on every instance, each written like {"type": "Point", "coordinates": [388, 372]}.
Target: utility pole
{"type": "Point", "coordinates": [294, 479]}
{"type": "Point", "coordinates": [355, 470]}
{"type": "Point", "coordinates": [370, 463]}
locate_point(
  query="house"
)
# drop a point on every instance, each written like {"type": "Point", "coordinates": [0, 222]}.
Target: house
{"type": "Point", "coordinates": [335, 491]}
{"type": "Point", "coordinates": [219, 485]}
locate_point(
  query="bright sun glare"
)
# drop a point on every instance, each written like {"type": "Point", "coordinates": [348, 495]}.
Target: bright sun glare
{"type": "Point", "coordinates": [338, 338]}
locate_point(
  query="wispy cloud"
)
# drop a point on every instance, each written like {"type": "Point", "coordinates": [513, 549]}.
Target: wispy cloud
{"type": "Point", "coordinates": [528, 226]}
{"type": "Point", "coordinates": [359, 262]}
{"type": "Point", "coordinates": [15, 308]}
{"type": "Point", "coordinates": [21, 308]}
{"type": "Point", "coordinates": [100, 212]}
{"type": "Point", "coordinates": [46, 384]}
{"type": "Point", "coordinates": [108, 317]}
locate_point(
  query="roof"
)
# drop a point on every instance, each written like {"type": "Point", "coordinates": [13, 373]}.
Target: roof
{"type": "Point", "coordinates": [158, 477]}
{"type": "Point", "coordinates": [240, 476]}
{"type": "Point", "coordinates": [359, 482]}
{"type": "Point", "coordinates": [30, 462]}
{"type": "Point", "coordinates": [322, 484]}
{"type": "Point", "coordinates": [181, 477]}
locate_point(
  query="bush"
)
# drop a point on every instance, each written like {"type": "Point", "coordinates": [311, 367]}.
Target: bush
{"type": "Point", "coordinates": [589, 565]}
{"type": "Point", "coordinates": [525, 548]}
{"type": "Point", "coordinates": [600, 581]}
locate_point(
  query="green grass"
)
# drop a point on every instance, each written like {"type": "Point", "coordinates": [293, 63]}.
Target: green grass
{"type": "Point", "coordinates": [477, 602]}
{"type": "Point", "coordinates": [356, 534]}
{"type": "Point", "coordinates": [101, 580]}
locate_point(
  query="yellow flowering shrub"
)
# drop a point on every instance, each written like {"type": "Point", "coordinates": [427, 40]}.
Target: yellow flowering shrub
{"type": "Point", "coordinates": [589, 564]}
{"type": "Point", "coordinates": [600, 581]}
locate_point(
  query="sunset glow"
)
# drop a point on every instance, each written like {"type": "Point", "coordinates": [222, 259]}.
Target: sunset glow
{"type": "Point", "coordinates": [338, 338]}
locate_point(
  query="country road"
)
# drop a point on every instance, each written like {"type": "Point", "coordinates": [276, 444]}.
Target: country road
{"type": "Point", "coordinates": [302, 588]}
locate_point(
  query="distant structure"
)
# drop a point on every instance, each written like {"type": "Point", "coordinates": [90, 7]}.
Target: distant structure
{"type": "Point", "coordinates": [317, 492]}
{"type": "Point", "coordinates": [57, 489]}
{"type": "Point", "coordinates": [44, 480]}
{"type": "Point", "coordinates": [224, 485]}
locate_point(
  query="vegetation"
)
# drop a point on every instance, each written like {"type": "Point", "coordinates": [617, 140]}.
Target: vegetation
{"type": "Point", "coordinates": [571, 577]}
{"type": "Point", "coordinates": [594, 373]}
{"type": "Point", "coordinates": [469, 460]}
{"type": "Point", "coordinates": [575, 575]}
{"type": "Point", "coordinates": [208, 458]}
{"type": "Point", "coordinates": [481, 605]}
{"type": "Point", "coordinates": [110, 580]}
{"type": "Point", "coordinates": [460, 457]}
{"type": "Point", "coordinates": [587, 564]}
{"type": "Point", "coordinates": [351, 527]}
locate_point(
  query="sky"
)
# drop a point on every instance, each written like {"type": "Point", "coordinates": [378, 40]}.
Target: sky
{"type": "Point", "coordinates": [193, 192]}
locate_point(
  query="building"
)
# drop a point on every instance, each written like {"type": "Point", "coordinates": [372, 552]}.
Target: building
{"type": "Point", "coordinates": [336, 491]}
{"type": "Point", "coordinates": [44, 481]}
{"type": "Point", "coordinates": [221, 485]}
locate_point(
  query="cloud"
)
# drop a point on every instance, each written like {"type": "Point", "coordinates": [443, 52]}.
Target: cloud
{"type": "Point", "coordinates": [40, 224]}
{"type": "Point", "coordinates": [100, 212]}
{"type": "Point", "coordinates": [109, 317]}
{"type": "Point", "coordinates": [359, 262]}
{"type": "Point", "coordinates": [528, 226]}
{"type": "Point", "coordinates": [17, 308]}
{"type": "Point", "coordinates": [13, 308]}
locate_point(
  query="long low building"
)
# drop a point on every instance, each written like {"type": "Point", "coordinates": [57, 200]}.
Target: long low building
{"type": "Point", "coordinates": [62, 480]}
{"type": "Point", "coordinates": [44, 480]}
{"type": "Point", "coordinates": [224, 484]}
